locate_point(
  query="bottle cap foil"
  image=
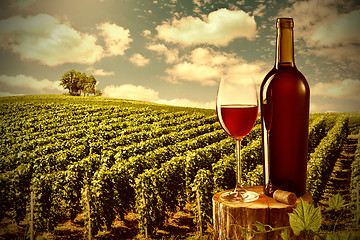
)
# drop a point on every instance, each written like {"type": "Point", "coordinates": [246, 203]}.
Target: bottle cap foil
{"type": "Point", "coordinates": [284, 23]}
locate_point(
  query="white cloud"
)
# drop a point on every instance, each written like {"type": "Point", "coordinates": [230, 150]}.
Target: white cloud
{"type": "Point", "coordinates": [330, 28]}
{"type": "Point", "coordinates": [247, 73]}
{"type": "Point", "coordinates": [183, 102]}
{"type": "Point", "coordinates": [206, 66]}
{"type": "Point", "coordinates": [207, 56]}
{"type": "Point", "coordinates": [7, 94]}
{"type": "Point", "coordinates": [342, 30]}
{"type": "Point", "coordinates": [200, 2]}
{"type": "Point", "coordinates": [146, 33]}
{"type": "Point", "coordinates": [23, 3]}
{"type": "Point", "coordinates": [132, 92]}
{"type": "Point", "coordinates": [139, 60]}
{"type": "Point", "coordinates": [43, 38]}
{"type": "Point", "coordinates": [326, 107]}
{"type": "Point", "coordinates": [161, 48]}
{"type": "Point", "coordinates": [342, 53]}
{"type": "Point", "coordinates": [30, 82]}
{"type": "Point", "coordinates": [99, 72]}
{"type": "Point", "coordinates": [129, 91]}
{"type": "Point", "coordinates": [193, 72]}
{"type": "Point", "coordinates": [259, 11]}
{"type": "Point", "coordinates": [346, 89]}
{"type": "Point", "coordinates": [219, 28]}
{"type": "Point", "coordinates": [117, 39]}
{"type": "Point", "coordinates": [171, 55]}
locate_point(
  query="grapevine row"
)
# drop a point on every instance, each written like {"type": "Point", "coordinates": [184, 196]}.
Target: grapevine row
{"type": "Point", "coordinates": [222, 175]}
{"type": "Point", "coordinates": [355, 182]}
{"type": "Point", "coordinates": [84, 136]}
{"type": "Point", "coordinates": [163, 189]}
{"type": "Point", "coordinates": [322, 160]}
{"type": "Point", "coordinates": [95, 171]}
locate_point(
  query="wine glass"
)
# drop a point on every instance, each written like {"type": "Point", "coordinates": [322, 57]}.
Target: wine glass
{"type": "Point", "coordinates": [237, 110]}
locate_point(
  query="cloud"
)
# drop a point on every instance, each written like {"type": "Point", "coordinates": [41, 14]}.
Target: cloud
{"type": "Point", "coordinates": [183, 102]}
{"type": "Point", "coordinates": [206, 66]}
{"type": "Point", "coordinates": [346, 89]}
{"type": "Point", "coordinates": [139, 60]}
{"type": "Point", "coordinates": [343, 54]}
{"type": "Point", "coordinates": [7, 94]}
{"type": "Point", "coordinates": [23, 3]}
{"type": "Point", "coordinates": [193, 72]}
{"type": "Point", "coordinates": [200, 2]}
{"type": "Point", "coordinates": [99, 72]}
{"type": "Point", "coordinates": [132, 92]}
{"type": "Point", "coordinates": [146, 33]}
{"type": "Point", "coordinates": [129, 91]}
{"type": "Point", "coordinates": [326, 107]}
{"type": "Point", "coordinates": [171, 55]}
{"type": "Point", "coordinates": [43, 38]}
{"type": "Point", "coordinates": [259, 11]}
{"type": "Point", "coordinates": [342, 30]}
{"type": "Point", "coordinates": [117, 39]}
{"type": "Point", "coordinates": [207, 56]}
{"type": "Point", "coordinates": [219, 28]}
{"type": "Point", "coordinates": [330, 28]}
{"type": "Point", "coordinates": [30, 83]}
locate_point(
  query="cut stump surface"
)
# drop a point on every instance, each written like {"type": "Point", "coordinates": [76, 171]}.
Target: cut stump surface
{"type": "Point", "coordinates": [228, 218]}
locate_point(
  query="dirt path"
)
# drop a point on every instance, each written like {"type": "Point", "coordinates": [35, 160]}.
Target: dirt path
{"type": "Point", "coordinates": [339, 182]}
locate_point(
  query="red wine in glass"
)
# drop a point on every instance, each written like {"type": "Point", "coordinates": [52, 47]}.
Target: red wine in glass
{"type": "Point", "coordinates": [238, 119]}
{"type": "Point", "coordinates": [237, 110]}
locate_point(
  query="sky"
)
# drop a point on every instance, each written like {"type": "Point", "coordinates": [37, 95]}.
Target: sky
{"type": "Point", "coordinates": [175, 51]}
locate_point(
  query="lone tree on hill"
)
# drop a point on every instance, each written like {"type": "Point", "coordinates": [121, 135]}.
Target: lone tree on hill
{"type": "Point", "coordinates": [77, 83]}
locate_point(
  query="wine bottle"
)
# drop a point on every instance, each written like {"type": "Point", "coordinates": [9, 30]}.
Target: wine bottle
{"type": "Point", "coordinates": [284, 99]}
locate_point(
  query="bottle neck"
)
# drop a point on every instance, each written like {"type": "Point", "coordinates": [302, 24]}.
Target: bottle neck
{"type": "Point", "coordinates": [284, 44]}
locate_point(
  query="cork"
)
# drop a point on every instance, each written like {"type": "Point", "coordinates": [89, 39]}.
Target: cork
{"type": "Point", "coordinates": [285, 197]}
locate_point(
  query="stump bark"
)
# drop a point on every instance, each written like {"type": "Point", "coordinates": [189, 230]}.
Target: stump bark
{"type": "Point", "coordinates": [228, 218]}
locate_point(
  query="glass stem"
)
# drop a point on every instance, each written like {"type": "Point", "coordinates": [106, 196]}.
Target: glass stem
{"type": "Point", "coordinates": [239, 187]}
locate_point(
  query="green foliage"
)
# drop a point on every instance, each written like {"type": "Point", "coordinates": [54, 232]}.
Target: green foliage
{"type": "Point", "coordinates": [44, 203]}
{"type": "Point", "coordinates": [224, 173]}
{"type": "Point", "coordinates": [305, 222]}
{"type": "Point", "coordinates": [157, 191]}
{"type": "Point", "coordinates": [336, 202]}
{"type": "Point", "coordinates": [355, 182]}
{"type": "Point", "coordinates": [77, 82]}
{"type": "Point", "coordinates": [305, 217]}
{"type": "Point", "coordinates": [202, 192]}
{"type": "Point", "coordinates": [339, 236]}
{"type": "Point", "coordinates": [129, 155]}
{"type": "Point", "coordinates": [322, 160]}
{"type": "Point", "coordinates": [254, 177]}
{"type": "Point", "coordinates": [103, 202]}
{"type": "Point", "coordinates": [317, 130]}
{"type": "Point", "coordinates": [354, 122]}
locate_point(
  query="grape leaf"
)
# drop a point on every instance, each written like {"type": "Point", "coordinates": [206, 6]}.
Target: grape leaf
{"type": "Point", "coordinates": [260, 227]}
{"type": "Point", "coordinates": [305, 217]}
{"type": "Point", "coordinates": [336, 202]}
{"type": "Point", "coordinates": [285, 234]}
{"type": "Point", "coordinates": [338, 236]}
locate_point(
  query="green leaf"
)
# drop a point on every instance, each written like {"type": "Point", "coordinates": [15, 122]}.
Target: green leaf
{"type": "Point", "coordinates": [285, 234]}
{"type": "Point", "coordinates": [305, 218]}
{"type": "Point", "coordinates": [336, 202]}
{"type": "Point", "coordinates": [260, 227]}
{"type": "Point", "coordinates": [338, 236]}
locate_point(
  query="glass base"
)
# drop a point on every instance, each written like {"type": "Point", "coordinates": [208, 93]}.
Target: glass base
{"type": "Point", "coordinates": [233, 196]}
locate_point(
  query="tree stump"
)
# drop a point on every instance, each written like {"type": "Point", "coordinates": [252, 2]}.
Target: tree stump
{"type": "Point", "coordinates": [228, 218]}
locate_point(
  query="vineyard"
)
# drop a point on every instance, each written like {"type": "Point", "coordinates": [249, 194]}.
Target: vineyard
{"type": "Point", "coordinates": [62, 156]}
